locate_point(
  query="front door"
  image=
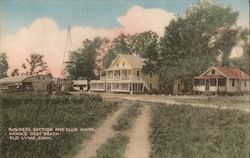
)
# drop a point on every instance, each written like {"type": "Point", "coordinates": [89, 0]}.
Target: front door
{"type": "Point", "coordinates": [207, 84]}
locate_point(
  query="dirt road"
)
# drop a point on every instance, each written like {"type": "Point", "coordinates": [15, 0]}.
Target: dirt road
{"type": "Point", "coordinates": [105, 131]}
{"type": "Point", "coordinates": [139, 145]}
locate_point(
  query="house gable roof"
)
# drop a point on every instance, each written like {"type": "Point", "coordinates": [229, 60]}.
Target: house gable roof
{"type": "Point", "coordinates": [132, 60]}
{"type": "Point", "coordinates": [232, 73]}
{"type": "Point", "coordinates": [16, 79]}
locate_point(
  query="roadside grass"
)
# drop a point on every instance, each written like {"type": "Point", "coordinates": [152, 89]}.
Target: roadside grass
{"type": "Point", "coordinates": [126, 120]}
{"type": "Point", "coordinates": [185, 131]}
{"type": "Point", "coordinates": [43, 111]}
{"type": "Point", "coordinates": [114, 147]}
{"type": "Point", "coordinates": [232, 101]}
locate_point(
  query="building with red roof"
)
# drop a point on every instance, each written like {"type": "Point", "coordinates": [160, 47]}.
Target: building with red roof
{"type": "Point", "coordinates": [222, 79]}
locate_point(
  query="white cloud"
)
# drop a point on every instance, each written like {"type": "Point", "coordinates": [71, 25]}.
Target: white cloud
{"type": "Point", "coordinates": [45, 37]}
{"type": "Point", "coordinates": [139, 19]}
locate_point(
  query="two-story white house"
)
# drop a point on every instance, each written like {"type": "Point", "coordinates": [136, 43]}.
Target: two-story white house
{"type": "Point", "coordinates": [125, 75]}
{"type": "Point", "coordinates": [222, 79]}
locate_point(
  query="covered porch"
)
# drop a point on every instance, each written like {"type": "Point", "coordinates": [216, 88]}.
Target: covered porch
{"type": "Point", "coordinates": [210, 83]}
{"type": "Point", "coordinates": [97, 85]}
{"type": "Point", "coordinates": [125, 86]}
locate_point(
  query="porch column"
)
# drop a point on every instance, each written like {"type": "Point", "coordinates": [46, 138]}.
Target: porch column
{"type": "Point", "coordinates": [120, 74]}
{"type": "Point", "coordinates": [217, 84]}
{"type": "Point", "coordinates": [228, 84]}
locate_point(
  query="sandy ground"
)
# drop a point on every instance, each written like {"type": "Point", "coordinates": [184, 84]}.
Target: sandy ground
{"type": "Point", "coordinates": [105, 131]}
{"type": "Point", "coordinates": [139, 145]}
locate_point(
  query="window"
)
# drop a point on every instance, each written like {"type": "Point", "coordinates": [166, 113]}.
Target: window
{"type": "Point", "coordinates": [213, 71]}
{"type": "Point", "coordinates": [233, 83]}
{"type": "Point", "coordinates": [140, 86]}
{"type": "Point", "coordinates": [199, 82]}
{"type": "Point", "coordinates": [123, 64]}
{"type": "Point", "coordinates": [221, 82]}
{"type": "Point", "coordinates": [179, 87]}
{"type": "Point", "coordinates": [213, 82]}
{"type": "Point", "coordinates": [117, 65]}
{"type": "Point", "coordinates": [150, 86]}
{"type": "Point", "coordinates": [150, 74]}
{"type": "Point", "coordinates": [245, 83]}
{"type": "Point", "coordinates": [138, 73]}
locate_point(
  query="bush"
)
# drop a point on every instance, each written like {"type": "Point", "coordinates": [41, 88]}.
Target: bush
{"type": "Point", "coordinates": [64, 111]}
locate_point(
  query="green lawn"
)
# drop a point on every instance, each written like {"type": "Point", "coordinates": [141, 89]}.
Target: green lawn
{"type": "Point", "coordinates": [182, 131]}
{"type": "Point", "coordinates": [63, 111]}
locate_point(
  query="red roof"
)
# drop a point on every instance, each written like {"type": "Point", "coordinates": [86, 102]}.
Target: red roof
{"type": "Point", "coordinates": [209, 76]}
{"type": "Point", "coordinates": [233, 73]}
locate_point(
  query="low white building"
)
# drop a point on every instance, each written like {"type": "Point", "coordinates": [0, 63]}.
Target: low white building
{"type": "Point", "coordinates": [80, 85]}
{"type": "Point", "coordinates": [222, 79]}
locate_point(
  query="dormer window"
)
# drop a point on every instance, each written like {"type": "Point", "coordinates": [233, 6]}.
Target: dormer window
{"type": "Point", "coordinates": [123, 64]}
{"type": "Point", "coordinates": [117, 65]}
{"type": "Point", "coordinates": [213, 72]}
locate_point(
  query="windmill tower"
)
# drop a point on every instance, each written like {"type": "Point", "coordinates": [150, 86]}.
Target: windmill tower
{"type": "Point", "coordinates": [67, 55]}
{"type": "Point", "coordinates": [65, 80]}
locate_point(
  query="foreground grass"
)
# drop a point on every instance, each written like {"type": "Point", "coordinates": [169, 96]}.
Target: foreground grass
{"type": "Point", "coordinates": [240, 102]}
{"type": "Point", "coordinates": [125, 121]}
{"type": "Point", "coordinates": [114, 147]}
{"type": "Point", "coordinates": [185, 131]}
{"type": "Point", "coordinates": [63, 111]}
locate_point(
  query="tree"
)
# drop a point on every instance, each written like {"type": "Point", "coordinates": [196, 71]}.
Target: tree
{"type": "Point", "coordinates": [3, 65]}
{"type": "Point", "coordinates": [191, 43]}
{"type": "Point", "coordinates": [119, 45]}
{"type": "Point", "coordinates": [145, 45]}
{"type": "Point", "coordinates": [140, 42]}
{"type": "Point", "coordinates": [243, 62]}
{"type": "Point", "coordinates": [83, 61]}
{"type": "Point", "coordinates": [35, 64]}
{"type": "Point", "coordinates": [15, 72]}
{"type": "Point", "coordinates": [107, 59]}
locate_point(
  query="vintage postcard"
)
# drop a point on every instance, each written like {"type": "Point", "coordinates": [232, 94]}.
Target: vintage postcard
{"type": "Point", "coordinates": [124, 79]}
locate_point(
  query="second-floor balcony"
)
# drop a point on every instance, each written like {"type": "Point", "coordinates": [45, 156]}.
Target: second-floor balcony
{"type": "Point", "coordinates": [120, 75]}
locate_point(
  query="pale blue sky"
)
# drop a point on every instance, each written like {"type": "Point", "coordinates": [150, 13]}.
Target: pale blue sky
{"type": "Point", "coordinates": [94, 13]}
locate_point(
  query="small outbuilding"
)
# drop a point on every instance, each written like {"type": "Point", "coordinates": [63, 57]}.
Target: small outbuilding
{"type": "Point", "coordinates": [25, 83]}
{"type": "Point", "coordinates": [80, 85]}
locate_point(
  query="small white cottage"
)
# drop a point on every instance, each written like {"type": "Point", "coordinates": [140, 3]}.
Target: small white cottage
{"type": "Point", "coordinates": [222, 79]}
